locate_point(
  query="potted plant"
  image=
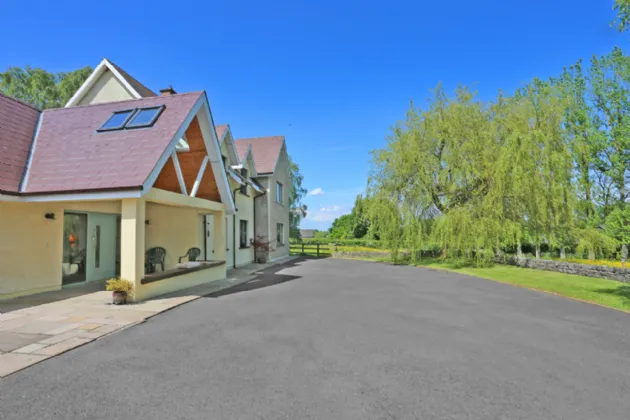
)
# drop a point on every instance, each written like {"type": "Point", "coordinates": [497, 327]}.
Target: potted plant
{"type": "Point", "coordinates": [120, 289]}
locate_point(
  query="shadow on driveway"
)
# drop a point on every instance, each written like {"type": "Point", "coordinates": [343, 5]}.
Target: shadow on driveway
{"type": "Point", "coordinates": [263, 278]}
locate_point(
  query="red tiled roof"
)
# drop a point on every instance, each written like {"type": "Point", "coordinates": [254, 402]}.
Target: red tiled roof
{"type": "Point", "coordinates": [265, 150]}
{"type": "Point", "coordinates": [221, 129]}
{"type": "Point", "coordinates": [241, 148]}
{"type": "Point", "coordinates": [70, 155]}
{"type": "Point", "coordinates": [17, 125]}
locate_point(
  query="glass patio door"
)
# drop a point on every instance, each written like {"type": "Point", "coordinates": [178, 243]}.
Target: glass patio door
{"type": "Point", "coordinates": [73, 267]}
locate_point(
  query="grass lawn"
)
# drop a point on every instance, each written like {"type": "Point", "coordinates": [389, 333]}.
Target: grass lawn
{"type": "Point", "coordinates": [609, 293]}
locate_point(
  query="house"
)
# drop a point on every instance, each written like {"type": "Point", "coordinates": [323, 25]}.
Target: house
{"type": "Point", "coordinates": [307, 233]}
{"type": "Point", "coordinates": [259, 229]}
{"type": "Point", "coordinates": [241, 249]}
{"type": "Point", "coordinates": [273, 173]}
{"type": "Point", "coordinates": [86, 190]}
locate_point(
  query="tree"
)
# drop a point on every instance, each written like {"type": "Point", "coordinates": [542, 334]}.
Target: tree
{"type": "Point", "coordinates": [546, 166]}
{"type": "Point", "coordinates": [361, 223]}
{"type": "Point", "coordinates": [297, 210]}
{"type": "Point", "coordinates": [342, 227]}
{"type": "Point", "coordinates": [41, 88]}
{"type": "Point", "coordinates": [622, 20]}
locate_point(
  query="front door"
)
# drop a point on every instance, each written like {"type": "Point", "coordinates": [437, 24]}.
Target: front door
{"type": "Point", "coordinates": [209, 237]}
{"type": "Point", "coordinates": [101, 249]}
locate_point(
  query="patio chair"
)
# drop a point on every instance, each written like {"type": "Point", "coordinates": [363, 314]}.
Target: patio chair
{"type": "Point", "coordinates": [192, 254]}
{"type": "Point", "coordinates": [155, 256]}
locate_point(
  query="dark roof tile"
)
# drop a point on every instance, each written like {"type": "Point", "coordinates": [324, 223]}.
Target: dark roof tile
{"type": "Point", "coordinates": [17, 126]}
{"type": "Point", "coordinates": [70, 155]}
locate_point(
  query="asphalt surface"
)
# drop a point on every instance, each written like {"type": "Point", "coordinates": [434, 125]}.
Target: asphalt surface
{"type": "Point", "coordinates": [334, 339]}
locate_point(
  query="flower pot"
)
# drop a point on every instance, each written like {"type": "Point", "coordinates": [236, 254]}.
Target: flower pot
{"type": "Point", "coordinates": [119, 298]}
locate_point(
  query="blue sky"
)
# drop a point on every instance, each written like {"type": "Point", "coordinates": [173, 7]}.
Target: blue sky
{"type": "Point", "coordinates": [332, 76]}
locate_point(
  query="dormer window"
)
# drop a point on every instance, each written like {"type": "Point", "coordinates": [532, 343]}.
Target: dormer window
{"type": "Point", "coordinates": [132, 118]}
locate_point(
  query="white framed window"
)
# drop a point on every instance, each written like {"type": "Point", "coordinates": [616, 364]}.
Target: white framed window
{"type": "Point", "coordinates": [279, 193]}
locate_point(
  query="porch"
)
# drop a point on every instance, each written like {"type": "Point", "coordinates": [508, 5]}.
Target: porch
{"type": "Point", "coordinates": [175, 223]}
{"type": "Point", "coordinates": [53, 245]}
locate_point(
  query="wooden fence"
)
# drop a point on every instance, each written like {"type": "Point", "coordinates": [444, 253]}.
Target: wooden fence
{"type": "Point", "coordinates": [316, 250]}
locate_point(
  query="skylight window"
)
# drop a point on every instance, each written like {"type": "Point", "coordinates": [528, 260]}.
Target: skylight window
{"type": "Point", "coordinates": [132, 118]}
{"type": "Point", "coordinates": [145, 117]}
{"type": "Point", "coordinates": [117, 121]}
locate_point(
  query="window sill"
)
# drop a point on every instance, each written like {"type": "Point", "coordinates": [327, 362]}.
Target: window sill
{"type": "Point", "coordinates": [279, 244]}
{"type": "Point", "coordinates": [245, 247]}
{"type": "Point", "coordinates": [174, 272]}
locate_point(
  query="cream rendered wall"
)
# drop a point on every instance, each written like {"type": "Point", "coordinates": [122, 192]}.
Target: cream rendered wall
{"type": "Point", "coordinates": [180, 282]}
{"type": "Point", "coordinates": [31, 246]}
{"type": "Point", "coordinates": [245, 206]}
{"type": "Point", "coordinates": [106, 89]}
{"type": "Point", "coordinates": [279, 213]}
{"type": "Point", "coordinates": [176, 229]}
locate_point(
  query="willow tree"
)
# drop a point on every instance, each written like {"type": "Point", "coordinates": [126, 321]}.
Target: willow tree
{"type": "Point", "coordinates": [438, 164]}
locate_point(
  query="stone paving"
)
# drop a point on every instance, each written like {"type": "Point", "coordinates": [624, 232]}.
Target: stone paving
{"type": "Point", "coordinates": [34, 328]}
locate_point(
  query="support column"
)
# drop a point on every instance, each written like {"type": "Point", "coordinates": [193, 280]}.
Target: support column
{"type": "Point", "coordinates": [220, 238]}
{"type": "Point", "coordinates": [132, 236]}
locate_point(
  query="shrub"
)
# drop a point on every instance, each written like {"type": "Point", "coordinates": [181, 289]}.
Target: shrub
{"type": "Point", "coordinates": [119, 285]}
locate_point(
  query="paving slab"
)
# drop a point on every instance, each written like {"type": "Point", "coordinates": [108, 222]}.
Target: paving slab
{"type": "Point", "coordinates": [31, 348]}
{"type": "Point", "coordinates": [54, 322]}
{"type": "Point", "coordinates": [63, 346]}
{"type": "Point", "coordinates": [14, 362]}
{"type": "Point", "coordinates": [10, 341]}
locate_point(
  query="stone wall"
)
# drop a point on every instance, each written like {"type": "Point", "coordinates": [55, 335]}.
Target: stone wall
{"type": "Point", "coordinates": [611, 273]}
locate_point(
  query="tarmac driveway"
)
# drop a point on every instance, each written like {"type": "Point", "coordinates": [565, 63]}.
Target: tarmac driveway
{"type": "Point", "coordinates": [335, 339]}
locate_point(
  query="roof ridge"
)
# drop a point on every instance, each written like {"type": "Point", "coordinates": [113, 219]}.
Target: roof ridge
{"type": "Point", "coordinates": [21, 102]}
{"type": "Point", "coordinates": [125, 101]}
{"type": "Point", "coordinates": [261, 137]}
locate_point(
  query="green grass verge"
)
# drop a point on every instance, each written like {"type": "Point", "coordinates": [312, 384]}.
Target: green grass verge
{"type": "Point", "coordinates": [609, 293]}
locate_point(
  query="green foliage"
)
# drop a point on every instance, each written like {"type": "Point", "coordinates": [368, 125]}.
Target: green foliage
{"type": "Point", "coordinates": [622, 20]}
{"type": "Point", "coordinates": [41, 88]}
{"type": "Point", "coordinates": [297, 209]}
{"type": "Point", "coordinates": [320, 234]}
{"type": "Point", "coordinates": [119, 285]}
{"type": "Point", "coordinates": [342, 227]}
{"type": "Point", "coordinates": [548, 166]}
{"type": "Point", "coordinates": [617, 224]}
